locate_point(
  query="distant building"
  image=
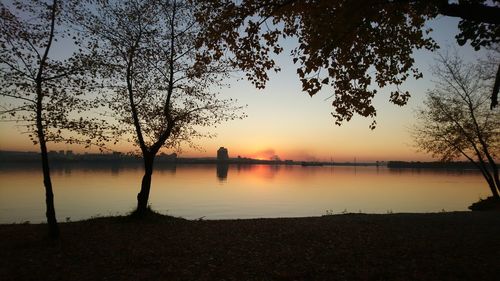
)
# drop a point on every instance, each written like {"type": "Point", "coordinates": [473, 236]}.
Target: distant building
{"type": "Point", "coordinates": [222, 154]}
{"type": "Point", "coordinates": [55, 155]}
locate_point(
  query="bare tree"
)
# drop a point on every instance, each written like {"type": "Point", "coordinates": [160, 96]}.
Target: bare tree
{"type": "Point", "coordinates": [145, 54]}
{"type": "Point", "coordinates": [40, 89]}
{"type": "Point", "coordinates": [456, 120]}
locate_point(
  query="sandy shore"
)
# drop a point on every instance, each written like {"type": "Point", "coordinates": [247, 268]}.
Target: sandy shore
{"type": "Point", "coordinates": [441, 246]}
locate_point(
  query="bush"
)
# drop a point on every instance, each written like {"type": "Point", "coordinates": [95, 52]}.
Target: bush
{"type": "Point", "coordinates": [488, 204]}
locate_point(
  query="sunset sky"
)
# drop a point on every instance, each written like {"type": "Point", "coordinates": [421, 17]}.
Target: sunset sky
{"type": "Point", "coordinates": [284, 121]}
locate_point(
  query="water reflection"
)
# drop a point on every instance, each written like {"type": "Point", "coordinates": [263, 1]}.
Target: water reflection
{"type": "Point", "coordinates": [192, 191]}
{"type": "Point", "coordinates": [60, 168]}
{"type": "Point", "coordinates": [167, 168]}
{"type": "Point", "coordinates": [222, 169]}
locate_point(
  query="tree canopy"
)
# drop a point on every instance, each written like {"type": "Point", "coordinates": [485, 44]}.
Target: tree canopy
{"type": "Point", "coordinates": [351, 46]}
{"type": "Point", "coordinates": [456, 122]}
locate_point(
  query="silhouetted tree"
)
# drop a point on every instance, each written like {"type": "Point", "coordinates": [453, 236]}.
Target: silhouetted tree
{"type": "Point", "coordinates": [456, 120]}
{"type": "Point", "coordinates": [145, 54]}
{"type": "Point", "coordinates": [41, 89]}
{"type": "Point", "coordinates": [350, 45]}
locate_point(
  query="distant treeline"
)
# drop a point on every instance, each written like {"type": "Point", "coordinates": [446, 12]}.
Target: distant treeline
{"type": "Point", "coordinates": [431, 165]}
{"type": "Point", "coordinates": [66, 157]}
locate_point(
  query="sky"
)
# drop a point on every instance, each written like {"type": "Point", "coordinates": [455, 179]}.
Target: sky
{"type": "Point", "coordinates": [286, 122]}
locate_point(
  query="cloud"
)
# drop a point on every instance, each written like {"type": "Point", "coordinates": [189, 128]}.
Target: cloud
{"type": "Point", "coordinates": [264, 154]}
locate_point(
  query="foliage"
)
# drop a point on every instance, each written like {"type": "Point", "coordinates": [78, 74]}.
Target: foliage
{"type": "Point", "coordinates": [351, 46]}
{"type": "Point", "coordinates": [143, 52]}
{"type": "Point", "coordinates": [480, 34]}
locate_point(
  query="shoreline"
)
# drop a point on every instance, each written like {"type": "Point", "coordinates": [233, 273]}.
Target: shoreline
{"type": "Point", "coordinates": [160, 216]}
{"type": "Point", "coordinates": [124, 215]}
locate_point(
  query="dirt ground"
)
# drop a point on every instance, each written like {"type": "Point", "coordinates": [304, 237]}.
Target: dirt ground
{"type": "Point", "coordinates": [441, 246]}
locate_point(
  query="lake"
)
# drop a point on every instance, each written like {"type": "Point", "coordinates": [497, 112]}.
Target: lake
{"type": "Point", "coordinates": [236, 191]}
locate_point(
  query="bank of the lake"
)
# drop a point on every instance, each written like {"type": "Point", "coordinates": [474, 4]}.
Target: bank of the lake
{"type": "Point", "coordinates": [438, 246]}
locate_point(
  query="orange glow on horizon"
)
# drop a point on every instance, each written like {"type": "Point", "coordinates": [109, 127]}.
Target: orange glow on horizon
{"type": "Point", "coordinates": [342, 153]}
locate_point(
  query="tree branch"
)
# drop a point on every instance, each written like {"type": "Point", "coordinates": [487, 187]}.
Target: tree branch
{"type": "Point", "coordinates": [472, 12]}
{"type": "Point", "coordinates": [17, 97]}
{"type": "Point", "coordinates": [171, 66]}
{"type": "Point", "coordinates": [496, 87]}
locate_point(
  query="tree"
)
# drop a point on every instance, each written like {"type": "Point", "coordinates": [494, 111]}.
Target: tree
{"type": "Point", "coordinates": [145, 55]}
{"type": "Point", "coordinates": [346, 44]}
{"type": "Point", "coordinates": [456, 120]}
{"type": "Point", "coordinates": [39, 89]}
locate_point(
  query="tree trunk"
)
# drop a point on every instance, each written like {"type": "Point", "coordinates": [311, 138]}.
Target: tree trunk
{"type": "Point", "coordinates": [143, 195]}
{"type": "Point", "coordinates": [496, 179]}
{"type": "Point", "coordinates": [49, 194]}
{"type": "Point", "coordinates": [494, 170]}
{"type": "Point", "coordinates": [493, 188]}
{"type": "Point", "coordinates": [496, 89]}
{"type": "Point", "coordinates": [50, 212]}
{"type": "Point", "coordinates": [487, 176]}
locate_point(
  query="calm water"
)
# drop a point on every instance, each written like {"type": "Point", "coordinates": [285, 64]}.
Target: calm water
{"type": "Point", "coordinates": [195, 191]}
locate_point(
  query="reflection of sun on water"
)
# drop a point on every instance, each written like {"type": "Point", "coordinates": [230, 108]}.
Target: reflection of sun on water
{"type": "Point", "coordinates": [262, 172]}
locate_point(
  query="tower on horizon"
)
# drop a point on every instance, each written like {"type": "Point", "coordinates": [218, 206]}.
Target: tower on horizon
{"type": "Point", "coordinates": [222, 154]}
